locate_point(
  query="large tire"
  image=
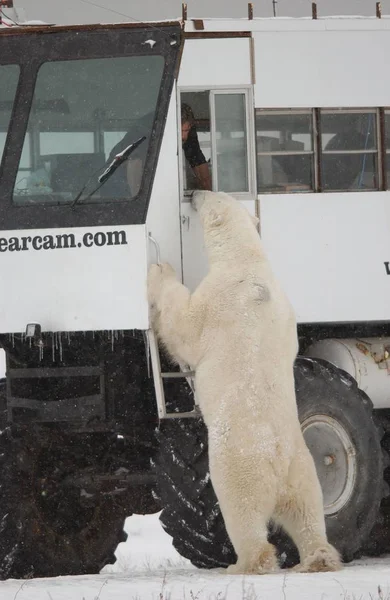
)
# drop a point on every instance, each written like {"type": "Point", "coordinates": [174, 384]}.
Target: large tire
{"type": "Point", "coordinates": [329, 401]}
{"type": "Point", "coordinates": [191, 513]}
{"type": "Point", "coordinates": [344, 438]}
{"type": "Point", "coordinates": [46, 529]}
{"type": "Point", "coordinates": [379, 540]}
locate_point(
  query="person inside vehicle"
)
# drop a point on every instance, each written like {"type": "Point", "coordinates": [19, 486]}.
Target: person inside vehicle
{"type": "Point", "coordinates": [191, 147]}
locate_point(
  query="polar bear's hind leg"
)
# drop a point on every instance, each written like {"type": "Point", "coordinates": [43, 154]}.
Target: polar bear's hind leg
{"type": "Point", "coordinates": [260, 562]}
{"type": "Point", "coordinates": [246, 522]}
{"type": "Point", "coordinates": [255, 555]}
{"type": "Point", "coordinates": [301, 514]}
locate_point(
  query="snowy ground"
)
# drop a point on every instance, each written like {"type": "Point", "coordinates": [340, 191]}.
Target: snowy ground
{"type": "Point", "coordinates": [148, 568]}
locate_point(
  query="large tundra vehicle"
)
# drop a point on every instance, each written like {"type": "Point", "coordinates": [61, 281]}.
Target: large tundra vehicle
{"type": "Point", "coordinates": [293, 118]}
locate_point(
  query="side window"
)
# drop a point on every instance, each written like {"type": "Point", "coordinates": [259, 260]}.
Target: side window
{"type": "Point", "coordinates": [231, 142]}
{"type": "Point", "coordinates": [285, 155]}
{"type": "Point", "coordinates": [9, 80]}
{"type": "Point", "coordinates": [349, 150]}
{"type": "Point", "coordinates": [217, 142]}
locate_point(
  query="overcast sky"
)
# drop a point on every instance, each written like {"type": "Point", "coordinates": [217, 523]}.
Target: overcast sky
{"type": "Point", "coordinates": [92, 11]}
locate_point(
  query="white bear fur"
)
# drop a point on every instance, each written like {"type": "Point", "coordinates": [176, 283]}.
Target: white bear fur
{"type": "Point", "coordinates": [237, 331]}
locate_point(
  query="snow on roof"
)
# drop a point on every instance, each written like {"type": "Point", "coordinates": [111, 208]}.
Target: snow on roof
{"type": "Point", "coordinates": [344, 22]}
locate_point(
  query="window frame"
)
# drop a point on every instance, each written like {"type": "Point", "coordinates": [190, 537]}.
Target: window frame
{"type": "Point", "coordinates": [377, 151]}
{"type": "Point", "coordinates": [247, 91]}
{"type": "Point", "coordinates": [314, 163]}
{"type": "Point", "coordinates": [317, 151]}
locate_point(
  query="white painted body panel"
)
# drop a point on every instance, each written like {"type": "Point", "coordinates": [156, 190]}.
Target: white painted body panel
{"type": "Point", "coordinates": [329, 252]}
{"type": "Point", "coordinates": [309, 69]}
{"type": "Point", "coordinates": [215, 62]}
{"type": "Point", "coordinates": [163, 218]}
{"type": "Point", "coordinates": [76, 289]}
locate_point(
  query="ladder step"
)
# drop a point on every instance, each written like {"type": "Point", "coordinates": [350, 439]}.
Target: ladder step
{"type": "Point", "coordinates": [193, 413]}
{"type": "Point", "coordinates": [158, 378]}
{"type": "Point", "coordinates": [181, 374]}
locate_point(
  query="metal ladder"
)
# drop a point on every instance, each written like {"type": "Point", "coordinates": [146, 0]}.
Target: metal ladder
{"type": "Point", "coordinates": [158, 378]}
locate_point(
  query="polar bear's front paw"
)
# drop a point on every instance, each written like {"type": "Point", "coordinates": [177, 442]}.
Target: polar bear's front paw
{"type": "Point", "coordinates": [159, 272]}
{"type": "Point", "coordinates": [157, 275]}
{"type": "Point", "coordinates": [167, 270]}
{"type": "Point", "coordinates": [154, 273]}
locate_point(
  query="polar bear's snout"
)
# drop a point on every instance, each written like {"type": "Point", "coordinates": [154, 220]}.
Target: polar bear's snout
{"type": "Point", "coordinates": [197, 199]}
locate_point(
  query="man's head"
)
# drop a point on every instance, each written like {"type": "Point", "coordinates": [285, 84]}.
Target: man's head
{"type": "Point", "coordinates": [187, 121]}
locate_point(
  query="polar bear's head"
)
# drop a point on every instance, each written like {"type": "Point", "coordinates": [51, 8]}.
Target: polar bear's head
{"type": "Point", "coordinates": [218, 208]}
{"type": "Point", "coordinates": [226, 222]}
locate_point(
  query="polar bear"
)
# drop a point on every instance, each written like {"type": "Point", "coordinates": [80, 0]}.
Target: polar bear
{"type": "Point", "coordinates": [237, 331]}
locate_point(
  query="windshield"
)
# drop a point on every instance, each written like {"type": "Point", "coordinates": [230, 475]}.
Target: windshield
{"type": "Point", "coordinates": [9, 75]}
{"type": "Point", "coordinates": [83, 113]}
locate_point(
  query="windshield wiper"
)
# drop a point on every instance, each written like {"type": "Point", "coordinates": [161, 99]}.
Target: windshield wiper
{"type": "Point", "coordinates": [112, 167]}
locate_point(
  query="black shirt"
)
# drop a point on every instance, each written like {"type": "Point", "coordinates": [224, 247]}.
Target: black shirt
{"type": "Point", "coordinates": [192, 150]}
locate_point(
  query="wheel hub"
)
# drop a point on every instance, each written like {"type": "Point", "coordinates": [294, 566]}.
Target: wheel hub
{"type": "Point", "coordinates": [335, 459]}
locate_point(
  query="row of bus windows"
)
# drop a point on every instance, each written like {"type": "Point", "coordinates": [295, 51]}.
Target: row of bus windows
{"type": "Point", "coordinates": [296, 150]}
{"type": "Point", "coordinates": [319, 150]}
